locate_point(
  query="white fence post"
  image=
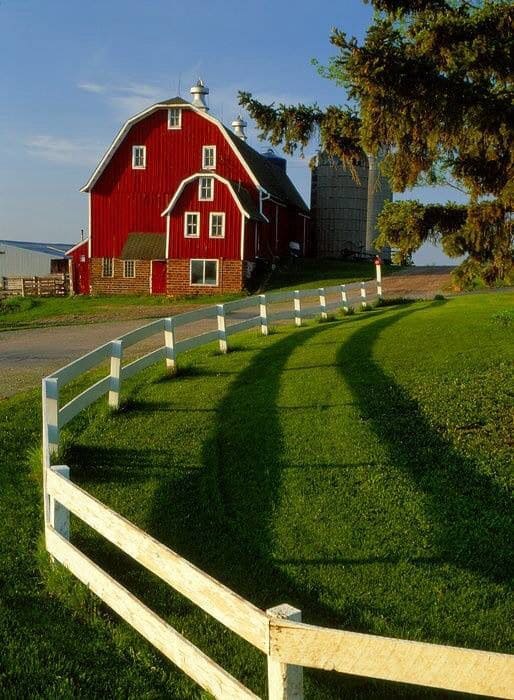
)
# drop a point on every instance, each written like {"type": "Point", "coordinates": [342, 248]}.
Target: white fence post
{"type": "Point", "coordinates": [297, 309]}
{"type": "Point", "coordinates": [222, 331]}
{"type": "Point", "coordinates": [378, 265]}
{"type": "Point", "coordinates": [344, 298]}
{"type": "Point", "coordinates": [322, 303]}
{"type": "Point", "coordinates": [50, 418]}
{"type": "Point", "coordinates": [363, 295]}
{"type": "Point", "coordinates": [59, 516]}
{"type": "Point", "coordinates": [169, 342]}
{"type": "Point", "coordinates": [115, 381]}
{"type": "Point", "coordinates": [263, 311]}
{"type": "Point", "coordinates": [285, 681]}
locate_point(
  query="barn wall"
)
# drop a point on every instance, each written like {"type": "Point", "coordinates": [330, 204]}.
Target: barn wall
{"type": "Point", "coordinates": [230, 278]}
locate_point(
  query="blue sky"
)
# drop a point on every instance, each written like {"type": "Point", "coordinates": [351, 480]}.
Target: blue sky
{"type": "Point", "coordinates": [73, 71]}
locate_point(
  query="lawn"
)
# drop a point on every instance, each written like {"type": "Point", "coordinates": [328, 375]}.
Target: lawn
{"type": "Point", "coordinates": [359, 469]}
{"type": "Point", "coordinates": [18, 312]}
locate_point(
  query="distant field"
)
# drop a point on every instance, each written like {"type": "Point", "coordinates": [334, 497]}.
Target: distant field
{"type": "Point", "coordinates": [359, 470]}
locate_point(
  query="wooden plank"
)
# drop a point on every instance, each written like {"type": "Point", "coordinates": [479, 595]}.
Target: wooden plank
{"type": "Point", "coordinates": [245, 303]}
{"type": "Point", "coordinates": [432, 665]}
{"type": "Point", "coordinates": [197, 665]}
{"type": "Point", "coordinates": [222, 329]}
{"type": "Point", "coordinates": [276, 297]}
{"type": "Point", "coordinates": [285, 681]}
{"type": "Point", "coordinates": [243, 325]}
{"type": "Point", "coordinates": [192, 316]}
{"type": "Point", "coordinates": [196, 341]}
{"type": "Point", "coordinates": [139, 334]}
{"type": "Point", "coordinates": [86, 398]}
{"type": "Point", "coordinates": [82, 364]}
{"type": "Point", "coordinates": [217, 600]}
{"type": "Point", "coordinates": [143, 362]}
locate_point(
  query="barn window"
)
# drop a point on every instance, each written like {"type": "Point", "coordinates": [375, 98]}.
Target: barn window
{"type": "Point", "coordinates": [208, 157]}
{"type": "Point", "coordinates": [216, 224]}
{"type": "Point", "coordinates": [206, 189]}
{"type": "Point", "coordinates": [192, 224]}
{"type": "Point", "coordinates": [107, 267]}
{"type": "Point", "coordinates": [174, 118]}
{"type": "Point", "coordinates": [204, 272]}
{"type": "Point", "coordinates": [139, 157]}
{"type": "Point", "coordinates": [129, 268]}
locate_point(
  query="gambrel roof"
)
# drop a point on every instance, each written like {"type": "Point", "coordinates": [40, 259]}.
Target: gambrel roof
{"type": "Point", "coordinates": [264, 174]}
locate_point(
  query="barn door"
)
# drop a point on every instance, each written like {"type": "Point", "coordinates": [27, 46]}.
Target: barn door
{"type": "Point", "coordinates": [158, 277]}
{"type": "Point", "coordinates": [81, 281]}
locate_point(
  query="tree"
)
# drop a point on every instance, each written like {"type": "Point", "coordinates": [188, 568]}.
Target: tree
{"type": "Point", "coordinates": [430, 90]}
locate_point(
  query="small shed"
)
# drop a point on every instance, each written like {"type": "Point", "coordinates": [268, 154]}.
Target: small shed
{"type": "Point", "coordinates": [30, 259]}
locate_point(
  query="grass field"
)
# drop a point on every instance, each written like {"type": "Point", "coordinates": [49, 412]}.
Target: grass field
{"type": "Point", "coordinates": [360, 470]}
{"type": "Point", "coordinates": [18, 312]}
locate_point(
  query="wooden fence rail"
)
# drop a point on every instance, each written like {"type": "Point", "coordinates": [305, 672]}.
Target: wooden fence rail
{"type": "Point", "coordinates": [278, 632]}
{"type": "Point", "coordinates": [56, 285]}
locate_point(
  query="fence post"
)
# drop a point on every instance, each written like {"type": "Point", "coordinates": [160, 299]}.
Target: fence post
{"type": "Point", "coordinates": [263, 311]}
{"type": "Point", "coordinates": [50, 418]}
{"type": "Point", "coordinates": [59, 516]}
{"type": "Point", "coordinates": [297, 309]}
{"type": "Point", "coordinates": [344, 298]}
{"type": "Point", "coordinates": [322, 303]}
{"type": "Point", "coordinates": [378, 266]}
{"type": "Point", "coordinates": [363, 295]}
{"type": "Point", "coordinates": [115, 380]}
{"type": "Point", "coordinates": [222, 331]}
{"type": "Point", "coordinates": [285, 681]}
{"type": "Point", "coordinates": [169, 342]}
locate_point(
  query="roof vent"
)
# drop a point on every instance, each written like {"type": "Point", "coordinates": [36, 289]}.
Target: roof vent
{"type": "Point", "coordinates": [199, 91]}
{"type": "Point", "coordinates": [239, 125]}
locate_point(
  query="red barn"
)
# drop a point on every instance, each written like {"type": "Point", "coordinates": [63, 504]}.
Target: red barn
{"type": "Point", "coordinates": [180, 204]}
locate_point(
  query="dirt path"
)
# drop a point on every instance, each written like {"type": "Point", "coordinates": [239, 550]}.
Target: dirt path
{"type": "Point", "coordinates": [418, 282]}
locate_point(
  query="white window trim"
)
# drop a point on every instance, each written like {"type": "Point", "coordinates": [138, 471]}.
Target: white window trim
{"type": "Point", "coordinates": [205, 199]}
{"type": "Point", "coordinates": [204, 260]}
{"type": "Point", "coordinates": [130, 277]}
{"type": "Point", "coordinates": [112, 268]}
{"type": "Point", "coordinates": [175, 126]}
{"type": "Point", "coordinates": [134, 166]}
{"type": "Point", "coordinates": [211, 215]}
{"type": "Point", "coordinates": [208, 167]}
{"type": "Point", "coordinates": [189, 235]}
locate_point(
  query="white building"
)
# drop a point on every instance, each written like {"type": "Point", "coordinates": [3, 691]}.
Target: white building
{"type": "Point", "coordinates": [28, 259]}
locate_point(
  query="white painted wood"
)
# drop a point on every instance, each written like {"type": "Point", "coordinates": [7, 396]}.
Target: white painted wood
{"type": "Point", "coordinates": [378, 269]}
{"type": "Point", "coordinates": [142, 333]}
{"type": "Point", "coordinates": [243, 325]}
{"type": "Point", "coordinates": [241, 304]}
{"type": "Point", "coordinates": [83, 400]}
{"type": "Point", "coordinates": [263, 311]}
{"type": "Point", "coordinates": [196, 341]}
{"type": "Point", "coordinates": [214, 598]}
{"type": "Point", "coordinates": [285, 681]}
{"type": "Point", "coordinates": [403, 661]}
{"type": "Point", "coordinates": [197, 665]}
{"type": "Point", "coordinates": [286, 314]}
{"type": "Point", "coordinates": [82, 364]}
{"type": "Point", "coordinates": [115, 376]}
{"type": "Point", "coordinates": [50, 417]}
{"type": "Point", "coordinates": [308, 293]}
{"type": "Point", "coordinates": [59, 516]}
{"type": "Point", "coordinates": [198, 315]}
{"type": "Point", "coordinates": [222, 332]}
{"type": "Point", "coordinates": [169, 344]}
{"type": "Point", "coordinates": [297, 309]}
{"type": "Point", "coordinates": [276, 297]}
{"type": "Point", "coordinates": [151, 358]}
{"type": "Point", "coordinates": [322, 303]}
{"type": "Point", "coordinates": [363, 295]}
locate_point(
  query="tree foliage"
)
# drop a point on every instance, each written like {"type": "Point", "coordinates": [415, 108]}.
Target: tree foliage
{"type": "Point", "coordinates": [430, 90]}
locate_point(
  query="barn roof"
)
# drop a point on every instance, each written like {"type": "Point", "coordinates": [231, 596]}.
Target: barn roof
{"type": "Point", "coordinates": [265, 174]}
{"type": "Point", "coordinates": [56, 250]}
{"type": "Point", "coordinates": [144, 246]}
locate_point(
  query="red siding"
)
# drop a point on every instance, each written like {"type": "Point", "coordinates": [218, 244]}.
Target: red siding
{"type": "Point", "coordinates": [205, 247]}
{"type": "Point", "coordinates": [126, 200]}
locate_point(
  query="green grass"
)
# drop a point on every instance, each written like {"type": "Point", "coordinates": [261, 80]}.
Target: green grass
{"type": "Point", "coordinates": [359, 470]}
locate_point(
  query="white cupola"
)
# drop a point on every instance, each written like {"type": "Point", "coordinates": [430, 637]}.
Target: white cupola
{"type": "Point", "coordinates": [199, 91]}
{"type": "Point", "coordinates": [239, 125]}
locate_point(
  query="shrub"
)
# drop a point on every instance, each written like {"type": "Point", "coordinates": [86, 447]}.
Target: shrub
{"type": "Point", "coordinates": [439, 297]}
{"type": "Point", "coordinates": [349, 311]}
{"type": "Point", "coordinates": [17, 303]}
{"type": "Point", "coordinates": [393, 301]}
{"type": "Point", "coordinates": [329, 319]}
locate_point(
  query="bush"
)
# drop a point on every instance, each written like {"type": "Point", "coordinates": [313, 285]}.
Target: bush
{"type": "Point", "coordinates": [393, 301]}
{"type": "Point", "coordinates": [349, 311]}
{"type": "Point", "coordinates": [17, 303]}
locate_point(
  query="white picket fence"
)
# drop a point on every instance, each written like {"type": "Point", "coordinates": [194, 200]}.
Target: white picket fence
{"type": "Point", "coordinates": [278, 632]}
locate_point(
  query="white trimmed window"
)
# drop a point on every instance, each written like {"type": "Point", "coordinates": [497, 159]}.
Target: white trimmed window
{"type": "Point", "coordinates": [204, 273]}
{"type": "Point", "coordinates": [107, 267]}
{"type": "Point", "coordinates": [192, 224]}
{"type": "Point", "coordinates": [217, 224]}
{"type": "Point", "coordinates": [209, 157]}
{"type": "Point", "coordinates": [129, 268]}
{"type": "Point", "coordinates": [138, 157]}
{"type": "Point", "coordinates": [174, 118]}
{"type": "Point", "coordinates": [206, 189]}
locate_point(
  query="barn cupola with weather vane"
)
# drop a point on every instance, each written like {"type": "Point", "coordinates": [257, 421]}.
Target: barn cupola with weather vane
{"type": "Point", "coordinates": [239, 125]}
{"type": "Point", "coordinates": [199, 91]}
